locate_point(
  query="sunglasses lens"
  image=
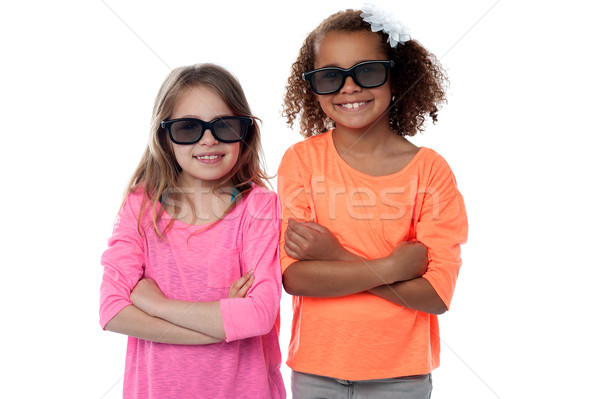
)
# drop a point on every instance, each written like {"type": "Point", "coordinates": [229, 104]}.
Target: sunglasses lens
{"type": "Point", "coordinates": [327, 81]}
{"type": "Point", "coordinates": [187, 131]}
{"type": "Point", "coordinates": [370, 75]}
{"type": "Point", "coordinates": [230, 129]}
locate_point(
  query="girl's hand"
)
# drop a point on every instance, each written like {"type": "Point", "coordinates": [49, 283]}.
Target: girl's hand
{"type": "Point", "coordinates": [146, 296]}
{"type": "Point", "coordinates": [311, 241]}
{"type": "Point", "coordinates": [239, 288]}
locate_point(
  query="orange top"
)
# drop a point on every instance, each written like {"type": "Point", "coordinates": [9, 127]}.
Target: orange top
{"type": "Point", "coordinates": [361, 336]}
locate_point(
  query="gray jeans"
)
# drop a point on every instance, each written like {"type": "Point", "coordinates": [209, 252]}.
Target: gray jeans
{"type": "Point", "coordinates": [309, 386]}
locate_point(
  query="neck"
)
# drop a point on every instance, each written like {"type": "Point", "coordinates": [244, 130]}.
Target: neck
{"type": "Point", "coordinates": [200, 203]}
{"type": "Point", "coordinates": [377, 152]}
{"type": "Point", "coordinates": [366, 140]}
{"type": "Point", "coordinates": [190, 184]}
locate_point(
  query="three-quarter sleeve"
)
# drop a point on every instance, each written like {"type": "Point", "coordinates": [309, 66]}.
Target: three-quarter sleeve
{"type": "Point", "coordinates": [123, 261]}
{"type": "Point", "coordinates": [256, 313]}
{"type": "Point", "coordinates": [295, 198]}
{"type": "Point", "coordinates": [442, 227]}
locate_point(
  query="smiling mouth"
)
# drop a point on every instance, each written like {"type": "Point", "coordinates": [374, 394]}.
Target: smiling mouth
{"type": "Point", "coordinates": [211, 157]}
{"type": "Point", "coordinates": [353, 105]}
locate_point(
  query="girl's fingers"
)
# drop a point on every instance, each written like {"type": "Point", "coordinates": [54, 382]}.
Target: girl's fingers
{"type": "Point", "coordinates": [242, 291]}
{"type": "Point", "coordinates": [316, 226]}
{"type": "Point", "coordinates": [299, 228]}
{"type": "Point", "coordinates": [292, 236]}
{"type": "Point", "coordinates": [246, 287]}
{"type": "Point", "coordinates": [292, 250]}
{"type": "Point", "coordinates": [239, 288]}
{"type": "Point", "coordinates": [244, 279]}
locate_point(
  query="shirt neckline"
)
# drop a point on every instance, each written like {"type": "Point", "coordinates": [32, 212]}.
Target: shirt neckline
{"type": "Point", "coordinates": [345, 165]}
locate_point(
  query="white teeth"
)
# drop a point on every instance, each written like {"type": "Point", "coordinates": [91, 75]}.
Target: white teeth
{"type": "Point", "coordinates": [353, 105]}
{"type": "Point", "coordinates": [207, 157]}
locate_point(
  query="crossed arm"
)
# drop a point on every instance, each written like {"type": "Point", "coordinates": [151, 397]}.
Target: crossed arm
{"type": "Point", "coordinates": [154, 317]}
{"type": "Point", "coordinates": [326, 269]}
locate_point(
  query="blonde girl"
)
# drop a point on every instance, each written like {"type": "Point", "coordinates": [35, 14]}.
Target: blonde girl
{"type": "Point", "coordinates": [191, 273]}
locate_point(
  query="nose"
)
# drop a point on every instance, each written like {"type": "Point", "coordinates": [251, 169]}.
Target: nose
{"type": "Point", "coordinates": [208, 139]}
{"type": "Point", "coordinates": [349, 86]}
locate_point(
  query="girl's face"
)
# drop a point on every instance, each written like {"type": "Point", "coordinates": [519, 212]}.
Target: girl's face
{"type": "Point", "coordinates": [353, 107]}
{"type": "Point", "coordinates": [208, 161]}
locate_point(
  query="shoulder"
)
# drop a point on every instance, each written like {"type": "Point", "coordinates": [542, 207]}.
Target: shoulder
{"type": "Point", "coordinates": [260, 200]}
{"type": "Point", "coordinates": [259, 194]}
{"type": "Point", "coordinates": [302, 153]}
{"type": "Point", "coordinates": [137, 194]}
{"type": "Point", "coordinates": [432, 157]}
{"type": "Point", "coordinates": [436, 174]}
{"type": "Point", "coordinates": [260, 207]}
{"type": "Point", "coordinates": [311, 144]}
{"type": "Point", "coordinates": [134, 199]}
{"type": "Point", "coordinates": [136, 202]}
{"type": "Point", "coordinates": [127, 220]}
{"type": "Point", "coordinates": [430, 160]}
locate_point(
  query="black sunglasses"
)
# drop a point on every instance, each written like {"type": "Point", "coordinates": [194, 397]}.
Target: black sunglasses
{"type": "Point", "coordinates": [227, 129]}
{"type": "Point", "coordinates": [367, 74]}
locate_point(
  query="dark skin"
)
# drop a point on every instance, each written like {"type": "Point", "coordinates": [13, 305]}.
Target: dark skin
{"type": "Point", "coordinates": [326, 269]}
{"type": "Point", "coordinates": [362, 135]}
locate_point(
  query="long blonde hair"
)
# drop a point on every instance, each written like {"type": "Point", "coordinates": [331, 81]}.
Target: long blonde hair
{"type": "Point", "coordinates": [158, 170]}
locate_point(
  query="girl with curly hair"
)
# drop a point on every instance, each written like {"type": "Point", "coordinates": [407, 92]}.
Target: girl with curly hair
{"type": "Point", "coordinates": [371, 224]}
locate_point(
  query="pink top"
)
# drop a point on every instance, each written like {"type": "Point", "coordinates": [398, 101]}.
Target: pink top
{"type": "Point", "coordinates": [201, 267]}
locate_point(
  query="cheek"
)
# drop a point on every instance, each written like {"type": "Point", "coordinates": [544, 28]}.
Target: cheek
{"type": "Point", "coordinates": [324, 102]}
{"type": "Point", "coordinates": [319, 99]}
{"type": "Point", "coordinates": [180, 153]}
{"type": "Point", "coordinates": [384, 92]}
{"type": "Point", "coordinates": [235, 152]}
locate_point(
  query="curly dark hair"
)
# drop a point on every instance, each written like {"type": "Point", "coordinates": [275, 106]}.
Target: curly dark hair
{"type": "Point", "coordinates": [418, 81]}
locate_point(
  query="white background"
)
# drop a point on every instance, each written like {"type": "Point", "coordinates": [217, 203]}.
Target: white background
{"type": "Point", "coordinates": [77, 83]}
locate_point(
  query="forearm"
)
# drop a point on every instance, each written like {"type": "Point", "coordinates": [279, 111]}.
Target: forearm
{"type": "Point", "coordinates": [136, 323]}
{"type": "Point", "coordinates": [350, 274]}
{"type": "Point", "coordinates": [203, 317]}
{"type": "Point", "coordinates": [318, 278]}
{"type": "Point", "coordinates": [416, 294]}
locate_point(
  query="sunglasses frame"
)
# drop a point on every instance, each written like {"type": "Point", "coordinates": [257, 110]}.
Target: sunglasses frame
{"type": "Point", "coordinates": [307, 76]}
{"type": "Point", "coordinates": [247, 122]}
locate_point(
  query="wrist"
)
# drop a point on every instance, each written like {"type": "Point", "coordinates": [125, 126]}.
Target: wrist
{"type": "Point", "coordinates": [159, 308]}
{"type": "Point", "coordinates": [345, 255]}
{"type": "Point", "coordinates": [392, 269]}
